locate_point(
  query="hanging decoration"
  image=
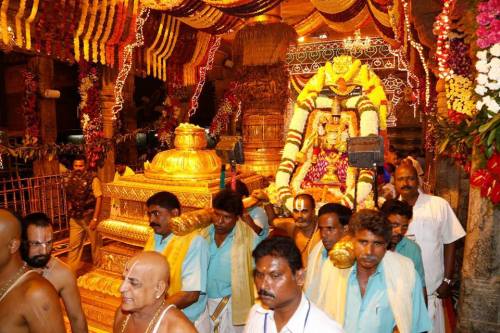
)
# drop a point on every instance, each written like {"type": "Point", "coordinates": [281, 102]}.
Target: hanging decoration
{"type": "Point", "coordinates": [190, 68]}
{"type": "Point", "coordinates": [107, 31]}
{"type": "Point", "coordinates": [126, 64]}
{"type": "Point", "coordinates": [229, 105]}
{"type": "Point", "coordinates": [203, 70]}
{"type": "Point", "coordinates": [29, 109]}
{"type": "Point", "coordinates": [91, 113]}
{"type": "Point", "coordinates": [442, 30]}
{"type": "Point", "coordinates": [244, 8]}
{"type": "Point", "coordinates": [19, 15]}
{"type": "Point", "coordinates": [79, 30]}
{"type": "Point", "coordinates": [121, 18]}
{"type": "Point", "coordinates": [29, 20]}
{"type": "Point", "coordinates": [168, 122]}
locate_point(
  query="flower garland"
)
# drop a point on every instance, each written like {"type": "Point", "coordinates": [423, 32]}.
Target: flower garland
{"type": "Point", "coordinates": [344, 70]}
{"type": "Point", "coordinates": [488, 80]}
{"type": "Point", "coordinates": [168, 122]}
{"type": "Point", "coordinates": [460, 95]}
{"type": "Point", "coordinates": [91, 113]}
{"type": "Point", "coordinates": [488, 31]}
{"type": "Point", "coordinates": [227, 107]}
{"type": "Point", "coordinates": [29, 108]}
{"type": "Point", "coordinates": [487, 131]}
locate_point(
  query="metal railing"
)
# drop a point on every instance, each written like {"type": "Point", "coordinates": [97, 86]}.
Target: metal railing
{"type": "Point", "coordinates": [37, 194]}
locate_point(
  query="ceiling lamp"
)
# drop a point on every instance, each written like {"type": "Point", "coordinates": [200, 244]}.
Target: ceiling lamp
{"type": "Point", "coordinates": [357, 43]}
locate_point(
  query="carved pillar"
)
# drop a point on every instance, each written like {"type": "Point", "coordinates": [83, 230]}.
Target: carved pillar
{"type": "Point", "coordinates": [480, 290]}
{"type": "Point", "coordinates": [44, 68]}
{"type": "Point", "coordinates": [107, 171]}
{"type": "Point", "coordinates": [259, 51]}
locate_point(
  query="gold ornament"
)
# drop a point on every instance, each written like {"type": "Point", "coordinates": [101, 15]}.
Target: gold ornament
{"type": "Point", "coordinates": [342, 253]}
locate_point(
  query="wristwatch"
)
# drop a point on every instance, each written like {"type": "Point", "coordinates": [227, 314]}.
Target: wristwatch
{"type": "Point", "coordinates": [447, 281]}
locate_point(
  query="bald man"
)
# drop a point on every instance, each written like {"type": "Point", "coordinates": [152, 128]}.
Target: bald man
{"type": "Point", "coordinates": [436, 229]}
{"type": "Point", "coordinates": [28, 302]}
{"type": "Point", "coordinates": [143, 309]}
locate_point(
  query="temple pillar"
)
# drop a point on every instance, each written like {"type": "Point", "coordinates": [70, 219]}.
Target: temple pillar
{"type": "Point", "coordinates": [44, 69]}
{"type": "Point", "coordinates": [259, 51]}
{"type": "Point", "coordinates": [107, 171]}
{"type": "Point", "coordinates": [480, 287]}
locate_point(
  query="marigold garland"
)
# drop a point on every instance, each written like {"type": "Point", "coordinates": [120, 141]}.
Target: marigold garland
{"type": "Point", "coordinates": [100, 27]}
{"type": "Point", "coordinates": [29, 109]}
{"type": "Point", "coordinates": [79, 30]}
{"type": "Point", "coordinates": [107, 32]}
{"type": "Point", "coordinates": [91, 113]}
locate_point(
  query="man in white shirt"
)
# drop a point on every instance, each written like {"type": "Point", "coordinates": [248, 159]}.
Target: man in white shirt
{"type": "Point", "coordinates": [279, 277]}
{"type": "Point", "coordinates": [435, 228]}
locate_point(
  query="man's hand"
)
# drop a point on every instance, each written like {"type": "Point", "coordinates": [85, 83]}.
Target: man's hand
{"type": "Point", "coordinates": [93, 224]}
{"type": "Point", "coordinates": [260, 195]}
{"type": "Point", "coordinates": [444, 290]}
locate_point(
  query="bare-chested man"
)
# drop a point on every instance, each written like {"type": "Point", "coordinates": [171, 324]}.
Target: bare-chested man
{"type": "Point", "coordinates": [143, 309]}
{"type": "Point", "coordinates": [28, 302]}
{"type": "Point", "coordinates": [36, 247]}
{"type": "Point", "coordinates": [303, 229]}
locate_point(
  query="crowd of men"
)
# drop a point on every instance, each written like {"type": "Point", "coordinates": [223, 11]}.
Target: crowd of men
{"type": "Point", "coordinates": [234, 276]}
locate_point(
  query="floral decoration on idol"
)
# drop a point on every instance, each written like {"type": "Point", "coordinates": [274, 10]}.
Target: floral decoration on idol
{"type": "Point", "coordinates": [29, 109]}
{"type": "Point", "coordinates": [91, 113]}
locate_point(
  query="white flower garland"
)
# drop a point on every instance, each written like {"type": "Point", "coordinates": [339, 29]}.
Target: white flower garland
{"type": "Point", "coordinates": [373, 117]}
{"type": "Point", "coordinates": [488, 79]}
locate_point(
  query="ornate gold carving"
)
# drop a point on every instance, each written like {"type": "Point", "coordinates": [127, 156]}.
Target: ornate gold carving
{"type": "Point", "coordinates": [342, 253]}
{"type": "Point", "coordinates": [189, 160]}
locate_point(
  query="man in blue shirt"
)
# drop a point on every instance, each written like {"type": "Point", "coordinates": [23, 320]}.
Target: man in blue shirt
{"type": "Point", "coordinates": [231, 238]}
{"type": "Point", "coordinates": [187, 256]}
{"type": "Point", "coordinates": [399, 214]}
{"type": "Point", "coordinates": [384, 291]}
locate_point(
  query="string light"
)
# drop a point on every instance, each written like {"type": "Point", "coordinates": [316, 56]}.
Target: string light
{"type": "Point", "coordinates": [127, 62]}
{"type": "Point", "coordinates": [203, 74]}
{"type": "Point", "coordinates": [420, 49]}
{"type": "Point", "coordinates": [441, 30]}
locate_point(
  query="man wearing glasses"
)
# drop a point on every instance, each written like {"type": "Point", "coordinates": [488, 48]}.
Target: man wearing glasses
{"type": "Point", "coordinates": [36, 249]}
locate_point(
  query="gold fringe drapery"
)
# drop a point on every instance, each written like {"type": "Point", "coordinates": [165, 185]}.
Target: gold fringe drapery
{"type": "Point", "coordinates": [263, 44]}
{"type": "Point", "coordinates": [309, 24]}
{"type": "Point", "coordinates": [201, 49]}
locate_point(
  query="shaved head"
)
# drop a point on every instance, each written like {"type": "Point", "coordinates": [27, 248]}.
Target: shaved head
{"type": "Point", "coordinates": [153, 264]}
{"type": "Point", "coordinates": [145, 281]}
{"type": "Point", "coordinates": [9, 224]}
{"type": "Point", "coordinates": [10, 236]}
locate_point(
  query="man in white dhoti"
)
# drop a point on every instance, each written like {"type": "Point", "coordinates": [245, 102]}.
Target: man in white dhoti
{"type": "Point", "coordinates": [435, 228]}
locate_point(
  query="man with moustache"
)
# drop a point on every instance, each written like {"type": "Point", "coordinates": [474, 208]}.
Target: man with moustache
{"type": "Point", "coordinates": [28, 302]}
{"type": "Point", "coordinates": [384, 292]}
{"type": "Point", "coordinates": [399, 215]}
{"type": "Point", "coordinates": [322, 277]}
{"type": "Point", "coordinates": [187, 257]}
{"type": "Point", "coordinates": [144, 307]}
{"type": "Point", "coordinates": [231, 239]}
{"type": "Point", "coordinates": [84, 198]}
{"type": "Point", "coordinates": [436, 229]}
{"type": "Point", "coordinates": [304, 228]}
{"type": "Point", "coordinates": [36, 248]}
{"type": "Point", "coordinates": [279, 278]}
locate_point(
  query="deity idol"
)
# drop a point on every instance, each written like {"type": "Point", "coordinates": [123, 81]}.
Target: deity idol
{"type": "Point", "coordinates": [315, 159]}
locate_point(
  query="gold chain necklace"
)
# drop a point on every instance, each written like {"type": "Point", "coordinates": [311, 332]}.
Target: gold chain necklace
{"type": "Point", "coordinates": [153, 320]}
{"type": "Point", "coordinates": [13, 280]}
